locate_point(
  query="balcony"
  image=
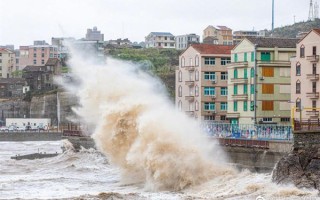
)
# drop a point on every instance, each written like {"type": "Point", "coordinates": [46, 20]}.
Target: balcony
{"type": "Point", "coordinates": [240, 97]}
{"type": "Point", "coordinates": [189, 68]}
{"type": "Point", "coordinates": [313, 58]}
{"type": "Point", "coordinates": [238, 64]}
{"type": "Point", "coordinates": [233, 115]}
{"type": "Point", "coordinates": [189, 98]}
{"type": "Point", "coordinates": [239, 80]}
{"type": "Point", "coordinates": [313, 95]}
{"type": "Point", "coordinates": [190, 113]}
{"type": "Point", "coordinates": [312, 113]}
{"type": "Point", "coordinates": [277, 63]}
{"type": "Point", "coordinates": [189, 83]}
{"type": "Point", "coordinates": [313, 77]}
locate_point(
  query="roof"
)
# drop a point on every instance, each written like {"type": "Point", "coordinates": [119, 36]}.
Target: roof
{"type": "Point", "coordinates": [223, 28]}
{"type": "Point", "coordinates": [32, 68]}
{"type": "Point", "coordinates": [273, 42]}
{"type": "Point", "coordinates": [161, 33]}
{"type": "Point", "coordinates": [213, 48]}
{"type": "Point", "coordinates": [52, 62]}
{"type": "Point", "coordinates": [5, 50]}
{"type": "Point", "coordinates": [317, 30]}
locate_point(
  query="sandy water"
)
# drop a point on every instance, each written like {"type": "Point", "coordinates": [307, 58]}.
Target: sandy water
{"type": "Point", "coordinates": [89, 175]}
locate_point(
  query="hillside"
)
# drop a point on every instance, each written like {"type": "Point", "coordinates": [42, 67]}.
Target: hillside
{"type": "Point", "coordinates": [292, 30]}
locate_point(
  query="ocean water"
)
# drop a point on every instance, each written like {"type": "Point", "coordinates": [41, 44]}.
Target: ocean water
{"type": "Point", "coordinates": [89, 175]}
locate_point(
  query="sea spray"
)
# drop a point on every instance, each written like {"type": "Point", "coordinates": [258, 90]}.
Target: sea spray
{"type": "Point", "coordinates": [139, 130]}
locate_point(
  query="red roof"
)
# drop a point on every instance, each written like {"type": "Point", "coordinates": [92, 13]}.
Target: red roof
{"type": "Point", "coordinates": [213, 48]}
{"type": "Point", "coordinates": [317, 30]}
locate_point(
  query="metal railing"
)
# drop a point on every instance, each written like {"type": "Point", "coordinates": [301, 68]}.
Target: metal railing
{"type": "Point", "coordinates": [307, 125]}
{"type": "Point", "coordinates": [248, 131]}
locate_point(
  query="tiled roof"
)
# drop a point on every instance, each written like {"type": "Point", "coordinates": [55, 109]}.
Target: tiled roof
{"type": "Point", "coordinates": [52, 61]}
{"type": "Point", "coordinates": [274, 42]}
{"type": "Point", "coordinates": [317, 30]}
{"type": "Point", "coordinates": [213, 48]}
{"type": "Point", "coordinates": [161, 33]}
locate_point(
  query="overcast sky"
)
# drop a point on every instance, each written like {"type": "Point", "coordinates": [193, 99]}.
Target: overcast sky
{"type": "Point", "coordinates": [22, 21]}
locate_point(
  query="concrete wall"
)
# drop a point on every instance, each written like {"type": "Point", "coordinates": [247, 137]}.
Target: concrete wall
{"type": "Point", "coordinates": [30, 136]}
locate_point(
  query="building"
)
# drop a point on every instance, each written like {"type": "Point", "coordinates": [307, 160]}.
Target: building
{"type": "Point", "coordinates": [7, 63]}
{"type": "Point", "coordinates": [240, 35]}
{"type": "Point", "coordinates": [94, 35]}
{"type": "Point", "coordinates": [12, 87]}
{"type": "Point", "coordinates": [305, 77]}
{"type": "Point", "coordinates": [34, 123]}
{"type": "Point", "coordinates": [222, 34]}
{"type": "Point", "coordinates": [160, 40]}
{"type": "Point", "coordinates": [259, 81]}
{"type": "Point", "coordinates": [62, 44]}
{"type": "Point", "coordinates": [183, 41]}
{"type": "Point", "coordinates": [201, 81]}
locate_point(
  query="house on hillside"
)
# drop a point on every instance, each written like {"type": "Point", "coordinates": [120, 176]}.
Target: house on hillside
{"type": "Point", "coordinates": [201, 82]}
{"type": "Point", "coordinates": [160, 40]}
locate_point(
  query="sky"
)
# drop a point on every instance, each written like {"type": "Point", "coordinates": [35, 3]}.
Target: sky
{"type": "Point", "coordinates": [23, 21]}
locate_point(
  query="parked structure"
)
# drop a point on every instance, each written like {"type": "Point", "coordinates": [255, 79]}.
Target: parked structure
{"type": "Point", "coordinates": [305, 77]}
{"type": "Point", "coordinates": [221, 34]}
{"type": "Point", "coordinates": [259, 81]}
{"type": "Point", "coordinates": [183, 41]}
{"type": "Point", "coordinates": [7, 63]}
{"type": "Point", "coordinates": [160, 40]}
{"type": "Point", "coordinates": [201, 81]}
{"type": "Point", "coordinates": [94, 35]}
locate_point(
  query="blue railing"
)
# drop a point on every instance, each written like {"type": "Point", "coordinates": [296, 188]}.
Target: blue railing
{"type": "Point", "coordinates": [248, 131]}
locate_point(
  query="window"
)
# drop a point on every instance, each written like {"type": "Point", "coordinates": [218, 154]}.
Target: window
{"type": "Point", "coordinates": [209, 106]}
{"type": "Point", "coordinates": [252, 56]}
{"type": "Point", "coordinates": [209, 91]}
{"type": "Point", "coordinates": [235, 73]}
{"type": "Point", "coordinates": [235, 89]}
{"type": "Point", "coordinates": [224, 91]}
{"type": "Point", "coordinates": [267, 119]}
{"type": "Point", "coordinates": [42, 55]}
{"type": "Point", "coordinates": [34, 55]}
{"type": "Point", "coordinates": [209, 61]}
{"type": "Point", "coordinates": [196, 75]}
{"type": "Point", "coordinates": [268, 71]}
{"type": "Point", "coordinates": [223, 117]}
{"type": "Point", "coordinates": [42, 62]}
{"type": "Point", "coordinates": [209, 76]}
{"type": "Point", "coordinates": [252, 72]}
{"type": "Point", "coordinates": [298, 87]}
{"type": "Point", "coordinates": [182, 62]}
{"type": "Point", "coordinates": [180, 76]}
{"type": "Point", "coordinates": [265, 56]}
{"type": "Point", "coordinates": [224, 75]}
{"type": "Point", "coordinates": [298, 104]}
{"type": "Point", "coordinates": [235, 57]}
{"type": "Point", "coordinates": [245, 73]}
{"type": "Point", "coordinates": [302, 51]}
{"type": "Point", "coordinates": [0, 60]}
{"type": "Point", "coordinates": [267, 88]}
{"type": "Point", "coordinates": [235, 106]}
{"type": "Point", "coordinates": [34, 62]}
{"type": "Point", "coordinates": [223, 106]}
{"type": "Point", "coordinates": [51, 55]}
{"type": "Point", "coordinates": [251, 105]}
{"type": "Point", "coordinates": [314, 105]}
{"type": "Point", "coordinates": [245, 88]}
{"type": "Point", "coordinates": [314, 87]}
{"type": "Point", "coordinates": [314, 50]}
{"type": "Point", "coordinates": [225, 61]}
{"type": "Point", "coordinates": [196, 105]}
{"type": "Point", "coordinates": [245, 106]}
{"type": "Point", "coordinates": [314, 68]}
{"type": "Point", "coordinates": [298, 69]}
{"type": "Point", "coordinates": [209, 117]}
{"type": "Point", "coordinates": [196, 90]}
{"type": "Point", "coordinates": [245, 59]}
{"type": "Point", "coordinates": [267, 105]}
{"type": "Point", "coordinates": [285, 119]}
{"type": "Point", "coordinates": [251, 89]}
{"type": "Point", "coordinates": [197, 61]}
{"type": "Point", "coordinates": [180, 91]}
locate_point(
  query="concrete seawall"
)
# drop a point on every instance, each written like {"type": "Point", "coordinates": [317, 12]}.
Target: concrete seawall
{"type": "Point", "coordinates": [30, 136]}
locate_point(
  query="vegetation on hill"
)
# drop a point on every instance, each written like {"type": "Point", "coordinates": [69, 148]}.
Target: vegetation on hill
{"type": "Point", "coordinates": [291, 31]}
{"type": "Point", "coordinates": [160, 62]}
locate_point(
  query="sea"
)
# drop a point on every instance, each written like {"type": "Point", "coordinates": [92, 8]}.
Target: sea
{"type": "Point", "coordinates": [89, 175]}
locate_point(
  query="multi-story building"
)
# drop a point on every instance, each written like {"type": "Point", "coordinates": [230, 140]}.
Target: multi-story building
{"type": "Point", "coordinates": [94, 35]}
{"type": "Point", "coordinates": [201, 81]}
{"type": "Point", "coordinates": [160, 40]}
{"type": "Point", "coordinates": [221, 34]}
{"type": "Point", "coordinates": [240, 35]}
{"type": "Point", "coordinates": [62, 44]}
{"type": "Point", "coordinates": [7, 63]}
{"type": "Point", "coordinates": [259, 81]}
{"type": "Point", "coordinates": [305, 77]}
{"type": "Point", "coordinates": [183, 41]}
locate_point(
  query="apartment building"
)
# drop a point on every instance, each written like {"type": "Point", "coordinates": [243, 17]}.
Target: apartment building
{"type": "Point", "coordinates": [183, 41]}
{"type": "Point", "coordinates": [94, 35]}
{"type": "Point", "coordinates": [240, 35]}
{"type": "Point", "coordinates": [160, 40]}
{"type": "Point", "coordinates": [259, 81]}
{"type": "Point", "coordinates": [201, 81]}
{"type": "Point", "coordinates": [217, 35]}
{"type": "Point", "coordinates": [7, 63]}
{"type": "Point", "coordinates": [305, 77]}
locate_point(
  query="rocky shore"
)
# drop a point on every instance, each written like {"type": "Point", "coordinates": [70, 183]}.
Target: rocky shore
{"type": "Point", "coordinates": [302, 165]}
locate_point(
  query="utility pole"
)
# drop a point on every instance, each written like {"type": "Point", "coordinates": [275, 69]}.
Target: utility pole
{"type": "Point", "coordinates": [311, 16]}
{"type": "Point", "coordinates": [272, 15]}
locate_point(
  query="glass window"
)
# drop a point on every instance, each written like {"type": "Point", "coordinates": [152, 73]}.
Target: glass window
{"type": "Point", "coordinates": [251, 89]}
{"type": "Point", "coordinates": [224, 75]}
{"type": "Point", "coordinates": [235, 89]}
{"type": "Point", "coordinates": [245, 89]}
{"type": "Point", "coordinates": [209, 91]}
{"type": "Point", "coordinates": [180, 76]}
{"type": "Point", "coordinates": [224, 91]}
{"type": "Point", "coordinates": [209, 61]}
{"type": "Point", "coordinates": [252, 72]}
{"type": "Point", "coordinates": [235, 57]}
{"type": "Point", "coordinates": [235, 106]}
{"type": "Point", "coordinates": [302, 51]}
{"type": "Point", "coordinates": [245, 59]}
{"type": "Point", "coordinates": [209, 75]}
{"type": "Point", "coordinates": [245, 106]}
{"type": "Point", "coordinates": [235, 73]}
{"type": "Point", "coordinates": [225, 61]}
{"type": "Point", "coordinates": [209, 106]}
{"type": "Point", "coordinates": [252, 56]}
{"type": "Point", "coordinates": [245, 73]}
{"type": "Point", "coordinates": [252, 105]}
{"type": "Point", "coordinates": [34, 62]}
{"type": "Point", "coordinates": [298, 87]}
{"type": "Point", "coordinates": [298, 69]}
{"type": "Point", "coordinates": [223, 106]}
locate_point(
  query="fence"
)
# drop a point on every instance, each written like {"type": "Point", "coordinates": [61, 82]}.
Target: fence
{"type": "Point", "coordinates": [307, 125]}
{"type": "Point", "coordinates": [248, 131]}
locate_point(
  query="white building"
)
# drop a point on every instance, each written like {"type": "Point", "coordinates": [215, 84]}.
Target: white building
{"type": "Point", "coordinates": [160, 40]}
{"type": "Point", "coordinates": [183, 41]}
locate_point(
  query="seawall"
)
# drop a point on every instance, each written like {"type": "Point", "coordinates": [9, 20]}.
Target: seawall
{"type": "Point", "coordinates": [30, 136]}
